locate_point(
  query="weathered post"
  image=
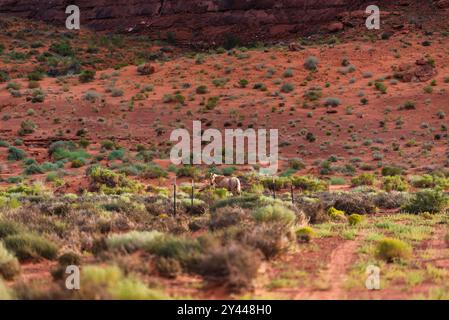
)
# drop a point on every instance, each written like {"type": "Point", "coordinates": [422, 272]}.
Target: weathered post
{"type": "Point", "coordinates": [174, 197]}
{"type": "Point", "coordinates": [192, 195]}
{"type": "Point", "coordinates": [274, 189]}
{"type": "Point", "coordinates": [291, 191]}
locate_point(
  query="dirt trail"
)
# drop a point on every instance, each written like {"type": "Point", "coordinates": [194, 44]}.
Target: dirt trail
{"type": "Point", "coordinates": [335, 273]}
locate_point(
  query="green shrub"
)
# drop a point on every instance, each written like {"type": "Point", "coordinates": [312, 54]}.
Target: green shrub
{"type": "Point", "coordinates": [4, 76]}
{"type": "Point", "coordinates": [260, 86]}
{"type": "Point", "coordinates": [253, 201]}
{"type": "Point", "coordinates": [29, 161]}
{"type": "Point", "coordinates": [296, 164]}
{"type": "Point", "coordinates": [433, 201]}
{"type": "Point", "coordinates": [16, 154]}
{"type": "Point", "coordinates": [92, 96]}
{"type": "Point", "coordinates": [132, 241]}
{"type": "Point", "coordinates": [365, 179]}
{"type": "Point", "coordinates": [168, 98]}
{"type": "Point", "coordinates": [153, 171]}
{"type": "Point", "coordinates": [65, 145]}
{"type": "Point", "coordinates": [35, 76]}
{"type": "Point", "coordinates": [271, 239]}
{"type": "Point", "coordinates": [332, 102]}
{"type": "Point", "coordinates": [109, 283]}
{"type": "Point", "coordinates": [109, 182]}
{"type": "Point", "coordinates": [212, 102]}
{"type": "Point", "coordinates": [392, 171]}
{"type": "Point", "coordinates": [199, 207]}
{"type": "Point", "coordinates": [274, 213]}
{"type": "Point", "coordinates": [381, 87]}
{"type": "Point", "coordinates": [288, 73]}
{"type": "Point", "coordinates": [77, 163]}
{"type": "Point", "coordinates": [391, 200]}
{"type": "Point", "coordinates": [27, 127]}
{"type": "Point", "coordinates": [227, 217]}
{"type": "Point", "coordinates": [87, 76]}
{"type": "Point", "coordinates": [336, 214]}
{"type": "Point", "coordinates": [169, 246]}
{"type": "Point", "coordinates": [278, 183]}
{"type": "Point", "coordinates": [313, 94]}
{"type": "Point", "coordinates": [424, 181]}
{"type": "Point", "coordinates": [117, 92]}
{"type": "Point", "coordinates": [243, 83]}
{"type": "Point", "coordinates": [33, 169]}
{"type": "Point", "coordinates": [222, 193]}
{"type": "Point", "coordinates": [305, 234]}
{"type": "Point", "coordinates": [337, 181]}
{"type": "Point", "coordinates": [69, 258]}
{"type": "Point", "coordinates": [311, 63]}
{"type": "Point", "coordinates": [37, 96]}
{"type": "Point", "coordinates": [234, 265]}
{"type": "Point", "coordinates": [408, 105]}
{"type": "Point", "coordinates": [35, 189]}
{"type": "Point", "coordinates": [309, 184]}
{"type": "Point", "coordinates": [117, 154]}
{"type": "Point", "coordinates": [145, 69]}
{"type": "Point", "coordinates": [63, 66]}
{"type": "Point", "coordinates": [13, 86]}
{"type": "Point", "coordinates": [8, 228]}
{"type": "Point", "coordinates": [9, 265]}
{"type": "Point", "coordinates": [353, 202]}
{"type": "Point", "coordinates": [70, 155]}
{"type": "Point", "coordinates": [355, 219]}
{"type": "Point", "coordinates": [108, 144]}
{"type": "Point", "coordinates": [287, 88]}
{"type": "Point", "coordinates": [4, 144]}
{"type": "Point", "coordinates": [188, 171]}
{"type": "Point", "coordinates": [395, 183]}
{"type": "Point", "coordinates": [168, 268]}
{"type": "Point", "coordinates": [62, 48]}
{"type": "Point", "coordinates": [201, 90]}
{"type": "Point", "coordinates": [31, 247]}
{"type": "Point", "coordinates": [391, 250]}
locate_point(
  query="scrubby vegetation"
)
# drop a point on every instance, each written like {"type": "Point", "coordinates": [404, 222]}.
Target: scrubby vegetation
{"type": "Point", "coordinates": [86, 180]}
{"type": "Point", "coordinates": [393, 249]}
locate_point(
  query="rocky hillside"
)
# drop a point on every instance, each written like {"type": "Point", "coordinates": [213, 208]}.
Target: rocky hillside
{"type": "Point", "coordinates": [197, 20]}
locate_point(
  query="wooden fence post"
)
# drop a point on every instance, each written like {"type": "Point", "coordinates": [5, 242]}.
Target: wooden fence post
{"type": "Point", "coordinates": [192, 195]}
{"type": "Point", "coordinates": [174, 197]}
{"type": "Point", "coordinates": [291, 190]}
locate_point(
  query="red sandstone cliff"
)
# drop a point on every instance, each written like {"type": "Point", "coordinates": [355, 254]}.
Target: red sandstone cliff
{"type": "Point", "coordinates": [194, 20]}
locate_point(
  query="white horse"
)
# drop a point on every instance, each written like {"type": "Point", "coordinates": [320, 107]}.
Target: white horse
{"type": "Point", "coordinates": [232, 184]}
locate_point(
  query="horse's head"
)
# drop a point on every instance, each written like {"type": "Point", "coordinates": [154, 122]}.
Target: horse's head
{"type": "Point", "coordinates": [212, 178]}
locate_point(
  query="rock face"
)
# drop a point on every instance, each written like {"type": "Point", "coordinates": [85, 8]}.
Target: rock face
{"type": "Point", "coordinates": [196, 20]}
{"type": "Point", "coordinates": [421, 71]}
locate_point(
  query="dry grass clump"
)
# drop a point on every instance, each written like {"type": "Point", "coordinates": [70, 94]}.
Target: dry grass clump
{"type": "Point", "coordinates": [9, 265]}
{"type": "Point", "coordinates": [110, 283]}
{"type": "Point", "coordinates": [132, 241]}
{"type": "Point", "coordinates": [31, 247]}
{"type": "Point", "coordinates": [235, 265]}
{"type": "Point", "coordinates": [227, 217]}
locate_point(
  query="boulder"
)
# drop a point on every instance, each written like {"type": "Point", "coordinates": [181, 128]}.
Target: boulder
{"type": "Point", "coordinates": [421, 71]}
